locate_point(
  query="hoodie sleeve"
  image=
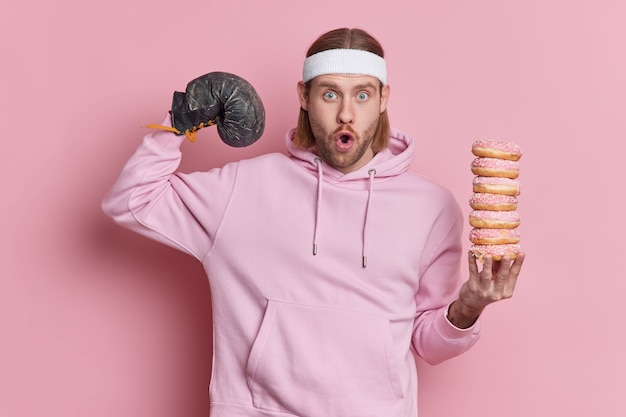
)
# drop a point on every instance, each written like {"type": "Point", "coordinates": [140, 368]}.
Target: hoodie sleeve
{"type": "Point", "coordinates": [435, 339]}
{"type": "Point", "coordinates": [179, 210]}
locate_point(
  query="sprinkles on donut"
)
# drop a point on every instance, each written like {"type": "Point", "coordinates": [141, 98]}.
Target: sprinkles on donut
{"type": "Point", "coordinates": [498, 202]}
{"type": "Point", "coordinates": [497, 149]}
{"type": "Point", "coordinates": [496, 185]}
{"type": "Point", "coordinates": [494, 167]}
{"type": "Point", "coordinates": [497, 252]}
{"type": "Point", "coordinates": [495, 189]}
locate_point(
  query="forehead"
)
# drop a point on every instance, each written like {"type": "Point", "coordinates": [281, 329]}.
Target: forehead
{"type": "Point", "coordinates": [345, 82]}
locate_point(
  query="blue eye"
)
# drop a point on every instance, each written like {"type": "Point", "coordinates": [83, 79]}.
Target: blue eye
{"type": "Point", "coordinates": [330, 95]}
{"type": "Point", "coordinates": [362, 96]}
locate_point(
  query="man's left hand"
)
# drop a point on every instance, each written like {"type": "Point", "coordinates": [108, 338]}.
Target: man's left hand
{"type": "Point", "coordinates": [494, 282]}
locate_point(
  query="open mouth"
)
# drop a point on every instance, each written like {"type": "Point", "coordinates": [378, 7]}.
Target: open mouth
{"type": "Point", "coordinates": [344, 141]}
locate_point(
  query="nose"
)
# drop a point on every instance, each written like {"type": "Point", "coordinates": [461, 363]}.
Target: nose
{"type": "Point", "coordinates": [346, 112]}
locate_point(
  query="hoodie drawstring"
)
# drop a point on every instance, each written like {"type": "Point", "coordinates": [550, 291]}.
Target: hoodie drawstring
{"type": "Point", "coordinates": [370, 193]}
{"type": "Point", "coordinates": [318, 163]}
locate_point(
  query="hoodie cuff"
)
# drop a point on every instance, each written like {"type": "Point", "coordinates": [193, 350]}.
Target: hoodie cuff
{"type": "Point", "coordinates": [449, 331]}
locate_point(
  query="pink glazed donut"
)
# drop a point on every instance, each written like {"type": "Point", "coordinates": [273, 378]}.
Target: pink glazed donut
{"type": "Point", "coordinates": [498, 202]}
{"type": "Point", "coordinates": [494, 236]}
{"type": "Point", "coordinates": [490, 219]}
{"type": "Point", "coordinates": [494, 167]}
{"type": "Point", "coordinates": [497, 252]}
{"type": "Point", "coordinates": [496, 185]}
{"type": "Point", "coordinates": [497, 149]}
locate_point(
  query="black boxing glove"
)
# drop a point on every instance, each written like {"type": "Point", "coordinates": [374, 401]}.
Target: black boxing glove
{"type": "Point", "coordinates": [222, 99]}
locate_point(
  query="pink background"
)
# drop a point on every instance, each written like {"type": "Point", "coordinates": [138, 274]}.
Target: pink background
{"type": "Point", "coordinates": [95, 321]}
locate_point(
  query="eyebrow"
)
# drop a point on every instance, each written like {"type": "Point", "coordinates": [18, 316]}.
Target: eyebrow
{"type": "Point", "coordinates": [329, 84]}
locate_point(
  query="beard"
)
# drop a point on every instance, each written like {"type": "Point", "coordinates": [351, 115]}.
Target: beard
{"type": "Point", "coordinates": [325, 144]}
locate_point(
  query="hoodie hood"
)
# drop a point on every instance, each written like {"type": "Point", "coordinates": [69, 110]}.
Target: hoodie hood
{"type": "Point", "coordinates": [390, 162]}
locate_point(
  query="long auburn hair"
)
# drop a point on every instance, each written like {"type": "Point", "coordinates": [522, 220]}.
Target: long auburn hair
{"type": "Point", "coordinates": [343, 38]}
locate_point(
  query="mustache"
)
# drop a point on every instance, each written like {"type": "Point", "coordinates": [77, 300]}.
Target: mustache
{"type": "Point", "coordinates": [346, 128]}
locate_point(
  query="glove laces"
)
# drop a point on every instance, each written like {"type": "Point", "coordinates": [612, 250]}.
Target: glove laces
{"type": "Point", "coordinates": [190, 134]}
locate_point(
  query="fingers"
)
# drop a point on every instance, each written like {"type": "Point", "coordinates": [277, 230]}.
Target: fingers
{"type": "Point", "coordinates": [506, 277]}
{"type": "Point", "coordinates": [488, 267]}
{"type": "Point", "coordinates": [497, 278]}
{"type": "Point", "coordinates": [473, 266]}
{"type": "Point", "coordinates": [485, 273]}
{"type": "Point", "coordinates": [517, 265]}
{"type": "Point", "coordinates": [514, 272]}
{"type": "Point", "coordinates": [508, 268]}
{"type": "Point", "coordinates": [501, 274]}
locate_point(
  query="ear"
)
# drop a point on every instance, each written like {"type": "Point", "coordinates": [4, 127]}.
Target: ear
{"type": "Point", "coordinates": [384, 97]}
{"type": "Point", "coordinates": [303, 95]}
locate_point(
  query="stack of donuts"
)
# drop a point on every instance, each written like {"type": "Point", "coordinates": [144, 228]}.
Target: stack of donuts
{"type": "Point", "coordinates": [494, 218]}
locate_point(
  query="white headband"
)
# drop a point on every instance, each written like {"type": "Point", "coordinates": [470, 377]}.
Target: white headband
{"type": "Point", "coordinates": [345, 61]}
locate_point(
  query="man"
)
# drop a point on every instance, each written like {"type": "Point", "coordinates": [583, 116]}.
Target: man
{"type": "Point", "coordinates": [329, 267]}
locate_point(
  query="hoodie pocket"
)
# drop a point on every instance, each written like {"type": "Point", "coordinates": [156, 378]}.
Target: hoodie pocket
{"type": "Point", "coordinates": [318, 361]}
